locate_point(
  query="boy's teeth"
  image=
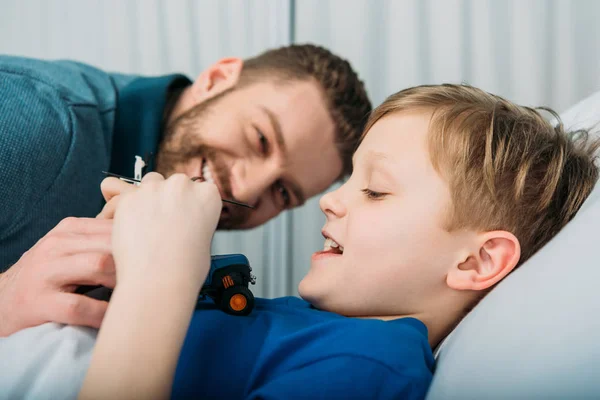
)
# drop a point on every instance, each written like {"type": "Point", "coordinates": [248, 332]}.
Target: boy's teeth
{"type": "Point", "coordinates": [329, 243]}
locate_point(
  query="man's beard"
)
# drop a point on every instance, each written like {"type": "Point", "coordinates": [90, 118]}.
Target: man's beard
{"type": "Point", "coordinates": [182, 142]}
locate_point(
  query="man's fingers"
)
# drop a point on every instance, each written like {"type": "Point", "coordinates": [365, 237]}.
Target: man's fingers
{"type": "Point", "coordinates": [83, 226]}
{"type": "Point", "coordinates": [85, 269]}
{"type": "Point", "coordinates": [112, 187]}
{"type": "Point", "coordinates": [59, 245]}
{"type": "Point", "coordinates": [76, 309]}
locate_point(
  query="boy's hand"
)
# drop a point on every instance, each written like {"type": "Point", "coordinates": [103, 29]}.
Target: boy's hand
{"type": "Point", "coordinates": [111, 189]}
{"type": "Point", "coordinates": [161, 246]}
{"type": "Point", "coordinates": [163, 229]}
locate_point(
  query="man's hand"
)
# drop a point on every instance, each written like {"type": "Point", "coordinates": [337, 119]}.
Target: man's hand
{"type": "Point", "coordinates": [39, 287]}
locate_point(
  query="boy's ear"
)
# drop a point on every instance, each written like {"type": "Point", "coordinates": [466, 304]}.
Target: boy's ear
{"type": "Point", "coordinates": [496, 255]}
{"type": "Point", "coordinates": [216, 79]}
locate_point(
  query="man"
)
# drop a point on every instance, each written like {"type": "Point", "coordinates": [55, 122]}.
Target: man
{"type": "Point", "coordinates": [270, 131]}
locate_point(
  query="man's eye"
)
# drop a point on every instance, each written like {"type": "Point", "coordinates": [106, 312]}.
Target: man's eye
{"type": "Point", "coordinates": [372, 194]}
{"type": "Point", "coordinates": [263, 143]}
{"type": "Point", "coordinates": [283, 194]}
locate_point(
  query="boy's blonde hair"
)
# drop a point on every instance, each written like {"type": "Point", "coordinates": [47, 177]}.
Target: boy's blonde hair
{"type": "Point", "coordinates": [507, 167]}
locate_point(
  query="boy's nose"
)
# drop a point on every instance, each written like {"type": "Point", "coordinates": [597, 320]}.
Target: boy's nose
{"type": "Point", "coordinates": [332, 205]}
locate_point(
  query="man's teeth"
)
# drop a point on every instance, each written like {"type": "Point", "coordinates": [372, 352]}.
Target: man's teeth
{"type": "Point", "coordinates": [206, 174]}
{"type": "Point", "coordinates": [329, 244]}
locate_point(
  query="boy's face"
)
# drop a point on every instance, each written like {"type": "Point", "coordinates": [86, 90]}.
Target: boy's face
{"type": "Point", "coordinates": [388, 218]}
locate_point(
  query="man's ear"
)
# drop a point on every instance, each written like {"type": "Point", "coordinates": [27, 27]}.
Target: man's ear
{"type": "Point", "coordinates": [219, 77]}
{"type": "Point", "coordinates": [496, 254]}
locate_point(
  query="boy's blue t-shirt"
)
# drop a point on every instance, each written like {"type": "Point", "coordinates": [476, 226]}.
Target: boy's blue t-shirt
{"type": "Point", "coordinates": [286, 349]}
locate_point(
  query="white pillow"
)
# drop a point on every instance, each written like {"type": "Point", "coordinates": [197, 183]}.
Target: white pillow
{"type": "Point", "coordinates": [583, 115]}
{"type": "Point", "coordinates": [534, 336]}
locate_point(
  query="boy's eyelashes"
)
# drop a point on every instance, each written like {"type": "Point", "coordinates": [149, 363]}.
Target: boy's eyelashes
{"type": "Point", "coordinates": [373, 195]}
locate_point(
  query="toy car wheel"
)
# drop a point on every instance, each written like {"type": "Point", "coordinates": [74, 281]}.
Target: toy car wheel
{"type": "Point", "coordinates": [237, 300]}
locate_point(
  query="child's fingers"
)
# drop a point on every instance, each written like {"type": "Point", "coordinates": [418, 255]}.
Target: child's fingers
{"type": "Point", "coordinates": [152, 177]}
{"type": "Point", "coordinates": [112, 187]}
{"type": "Point", "coordinates": [108, 211]}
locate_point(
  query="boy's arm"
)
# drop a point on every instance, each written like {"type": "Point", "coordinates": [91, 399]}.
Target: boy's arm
{"type": "Point", "coordinates": [162, 223]}
{"type": "Point", "coordinates": [140, 340]}
{"type": "Point", "coordinates": [345, 377]}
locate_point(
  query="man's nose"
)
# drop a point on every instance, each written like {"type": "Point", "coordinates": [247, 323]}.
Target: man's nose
{"type": "Point", "coordinates": [332, 205]}
{"type": "Point", "coordinates": [252, 181]}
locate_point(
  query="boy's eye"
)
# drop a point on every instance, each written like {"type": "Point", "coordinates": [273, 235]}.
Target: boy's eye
{"type": "Point", "coordinates": [283, 194]}
{"type": "Point", "coordinates": [263, 143]}
{"type": "Point", "coordinates": [372, 194]}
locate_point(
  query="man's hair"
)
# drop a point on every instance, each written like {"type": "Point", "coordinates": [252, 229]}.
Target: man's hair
{"type": "Point", "coordinates": [507, 167]}
{"type": "Point", "coordinates": [343, 92]}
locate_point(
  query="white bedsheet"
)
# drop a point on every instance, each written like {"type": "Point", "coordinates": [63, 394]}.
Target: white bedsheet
{"type": "Point", "coordinates": [45, 362]}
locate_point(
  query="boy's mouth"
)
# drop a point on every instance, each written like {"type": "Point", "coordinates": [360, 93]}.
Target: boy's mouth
{"type": "Point", "coordinates": [331, 246]}
{"type": "Point", "coordinates": [330, 249]}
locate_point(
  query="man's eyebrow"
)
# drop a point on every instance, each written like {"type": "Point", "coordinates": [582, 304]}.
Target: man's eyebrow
{"type": "Point", "coordinates": [276, 128]}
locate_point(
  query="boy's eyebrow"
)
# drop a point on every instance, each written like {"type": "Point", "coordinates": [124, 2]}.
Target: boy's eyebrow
{"type": "Point", "coordinates": [377, 156]}
{"type": "Point", "coordinates": [383, 163]}
{"type": "Point", "coordinates": [372, 156]}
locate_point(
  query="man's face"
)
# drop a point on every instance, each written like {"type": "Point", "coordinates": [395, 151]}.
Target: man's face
{"type": "Point", "coordinates": [388, 218]}
{"type": "Point", "coordinates": [266, 144]}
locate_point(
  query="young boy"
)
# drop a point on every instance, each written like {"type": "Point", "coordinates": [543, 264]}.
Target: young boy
{"type": "Point", "coordinates": [452, 189]}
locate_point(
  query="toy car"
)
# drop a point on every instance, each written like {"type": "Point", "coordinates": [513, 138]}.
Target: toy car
{"type": "Point", "coordinates": [227, 284]}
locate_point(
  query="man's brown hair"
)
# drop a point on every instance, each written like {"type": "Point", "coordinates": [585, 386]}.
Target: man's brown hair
{"type": "Point", "coordinates": [343, 92]}
{"type": "Point", "coordinates": [507, 167]}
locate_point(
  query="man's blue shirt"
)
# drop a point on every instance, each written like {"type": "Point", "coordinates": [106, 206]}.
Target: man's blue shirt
{"type": "Point", "coordinates": [61, 124]}
{"type": "Point", "coordinates": [285, 349]}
